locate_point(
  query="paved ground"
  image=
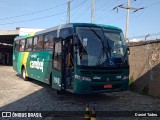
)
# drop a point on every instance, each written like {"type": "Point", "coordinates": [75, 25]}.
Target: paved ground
{"type": "Point", "coordinates": [19, 95]}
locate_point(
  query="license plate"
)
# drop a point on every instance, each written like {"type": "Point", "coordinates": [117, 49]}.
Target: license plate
{"type": "Point", "coordinates": [108, 86]}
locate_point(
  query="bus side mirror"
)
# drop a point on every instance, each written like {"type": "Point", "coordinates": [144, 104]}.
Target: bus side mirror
{"type": "Point", "coordinates": [128, 50]}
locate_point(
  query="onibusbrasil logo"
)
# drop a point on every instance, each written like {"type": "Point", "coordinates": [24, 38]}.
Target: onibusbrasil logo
{"type": "Point", "coordinates": [37, 64]}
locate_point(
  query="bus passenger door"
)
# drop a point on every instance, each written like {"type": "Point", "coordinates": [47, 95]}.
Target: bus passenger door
{"type": "Point", "coordinates": [57, 65]}
{"type": "Point", "coordinates": [67, 64]}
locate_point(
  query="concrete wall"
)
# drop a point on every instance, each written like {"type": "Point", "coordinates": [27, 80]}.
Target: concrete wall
{"type": "Point", "coordinates": [145, 67]}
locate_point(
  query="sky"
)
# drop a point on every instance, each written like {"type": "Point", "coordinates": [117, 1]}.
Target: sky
{"type": "Point", "coordinates": [50, 13]}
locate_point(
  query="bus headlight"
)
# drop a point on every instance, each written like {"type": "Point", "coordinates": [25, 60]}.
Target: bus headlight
{"type": "Point", "coordinates": [125, 78]}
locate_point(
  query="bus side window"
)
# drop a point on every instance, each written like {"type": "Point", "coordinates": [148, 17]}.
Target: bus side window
{"type": "Point", "coordinates": [52, 39]}
{"type": "Point", "coordinates": [35, 43]}
{"type": "Point", "coordinates": [29, 44]}
{"type": "Point", "coordinates": [40, 43]}
{"type": "Point", "coordinates": [17, 45]}
{"type": "Point", "coordinates": [49, 40]}
{"type": "Point", "coordinates": [57, 56]}
{"type": "Point", "coordinates": [22, 45]}
{"type": "Point", "coordinates": [46, 42]}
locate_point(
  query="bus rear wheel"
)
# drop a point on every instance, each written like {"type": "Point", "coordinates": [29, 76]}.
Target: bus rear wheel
{"type": "Point", "coordinates": [23, 74]}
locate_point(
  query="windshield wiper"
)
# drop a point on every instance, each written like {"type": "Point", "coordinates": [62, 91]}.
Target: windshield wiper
{"type": "Point", "coordinates": [103, 47]}
{"type": "Point", "coordinates": [101, 52]}
{"type": "Point", "coordinates": [104, 50]}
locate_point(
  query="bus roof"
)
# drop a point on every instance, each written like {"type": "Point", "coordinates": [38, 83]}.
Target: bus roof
{"type": "Point", "coordinates": [94, 25]}
{"type": "Point", "coordinates": [65, 26]}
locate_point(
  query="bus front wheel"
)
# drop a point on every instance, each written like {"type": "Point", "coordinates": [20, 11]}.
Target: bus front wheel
{"type": "Point", "coordinates": [23, 74]}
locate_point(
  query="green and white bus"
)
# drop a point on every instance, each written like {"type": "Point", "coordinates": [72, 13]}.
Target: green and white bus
{"type": "Point", "coordinates": [81, 58]}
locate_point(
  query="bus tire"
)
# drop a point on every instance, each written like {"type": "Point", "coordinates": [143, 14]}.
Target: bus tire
{"type": "Point", "coordinates": [23, 74]}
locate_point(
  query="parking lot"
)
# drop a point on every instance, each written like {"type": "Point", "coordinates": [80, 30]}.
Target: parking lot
{"type": "Point", "coordinates": [19, 95]}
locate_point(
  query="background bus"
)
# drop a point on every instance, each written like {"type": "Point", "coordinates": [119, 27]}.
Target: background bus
{"type": "Point", "coordinates": [81, 58]}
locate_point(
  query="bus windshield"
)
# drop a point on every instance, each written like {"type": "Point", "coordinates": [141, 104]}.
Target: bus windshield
{"type": "Point", "coordinates": [100, 47]}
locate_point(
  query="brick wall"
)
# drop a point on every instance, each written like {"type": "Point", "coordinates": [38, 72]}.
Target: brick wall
{"type": "Point", "coordinates": [144, 60]}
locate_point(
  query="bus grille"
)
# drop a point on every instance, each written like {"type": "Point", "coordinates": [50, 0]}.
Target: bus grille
{"type": "Point", "coordinates": [107, 72]}
{"type": "Point", "coordinates": [100, 72]}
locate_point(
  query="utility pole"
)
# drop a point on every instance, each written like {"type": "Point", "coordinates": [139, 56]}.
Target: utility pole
{"type": "Point", "coordinates": [128, 8]}
{"type": "Point", "coordinates": [127, 21]}
{"type": "Point", "coordinates": [68, 11]}
{"type": "Point", "coordinates": [93, 11]}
